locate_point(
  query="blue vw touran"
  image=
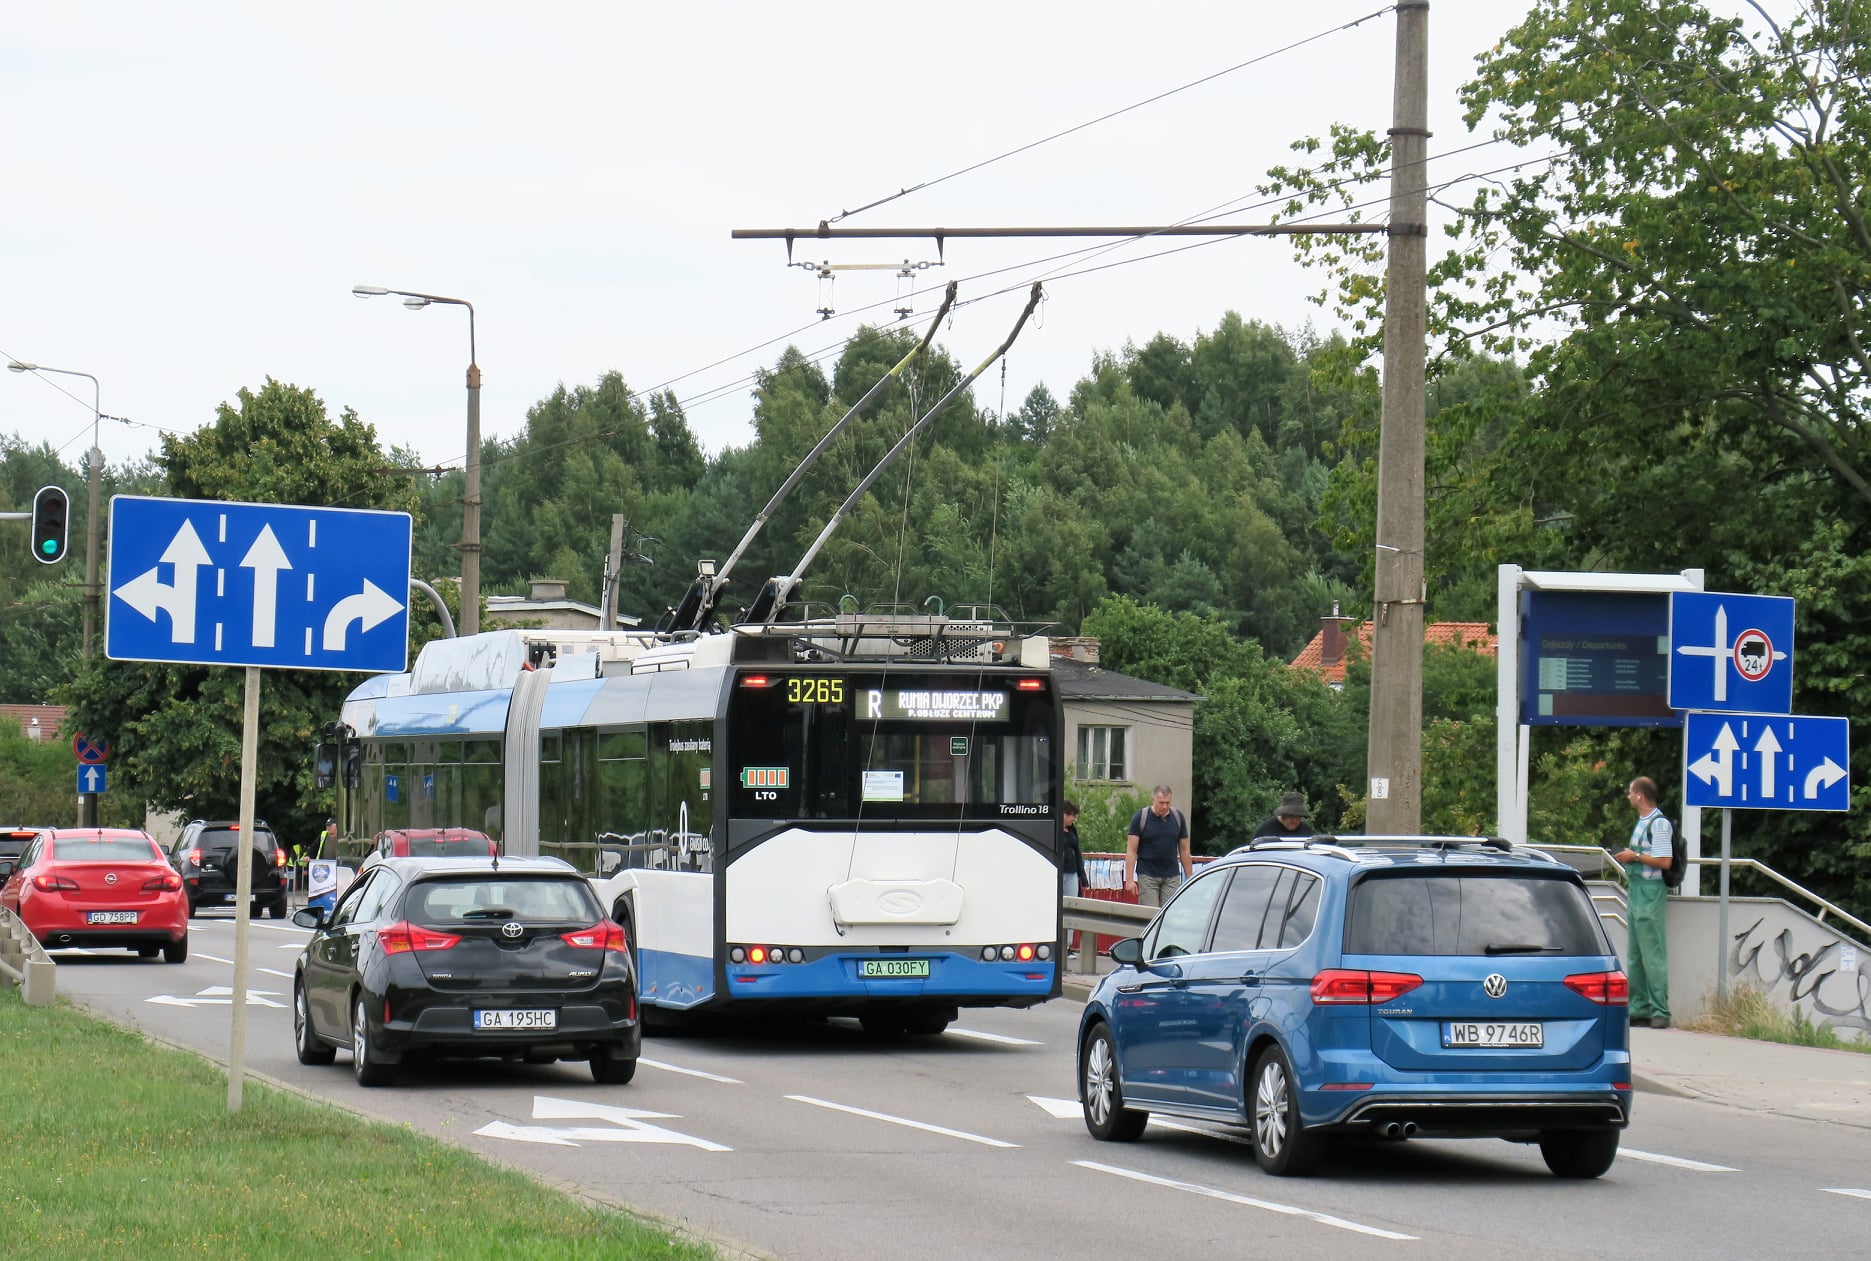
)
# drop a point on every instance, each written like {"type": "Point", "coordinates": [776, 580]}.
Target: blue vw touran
{"type": "Point", "coordinates": [1369, 986]}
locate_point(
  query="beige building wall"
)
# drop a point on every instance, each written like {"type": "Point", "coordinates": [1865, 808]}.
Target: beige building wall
{"type": "Point", "coordinates": [1161, 742]}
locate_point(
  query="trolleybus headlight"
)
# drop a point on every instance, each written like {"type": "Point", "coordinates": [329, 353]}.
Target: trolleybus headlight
{"type": "Point", "coordinates": [1006, 952]}
{"type": "Point", "coordinates": [737, 955]}
{"type": "Point", "coordinates": [989, 953]}
{"type": "Point", "coordinates": [795, 955]}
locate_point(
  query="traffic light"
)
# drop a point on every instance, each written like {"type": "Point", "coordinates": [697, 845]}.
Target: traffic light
{"type": "Point", "coordinates": [51, 508]}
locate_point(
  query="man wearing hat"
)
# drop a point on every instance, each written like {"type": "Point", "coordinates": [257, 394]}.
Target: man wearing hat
{"type": "Point", "coordinates": [1288, 821]}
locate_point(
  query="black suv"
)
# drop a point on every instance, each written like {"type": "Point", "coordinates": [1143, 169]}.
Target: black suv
{"type": "Point", "coordinates": [15, 839]}
{"type": "Point", "coordinates": [207, 859]}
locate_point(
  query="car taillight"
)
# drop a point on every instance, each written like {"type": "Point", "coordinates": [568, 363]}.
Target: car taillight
{"type": "Point", "coordinates": [1350, 985]}
{"type": "Point", "coordinates": [1610, 988]}
{"type": "Point", "coordinates": [604, 935]}
{"type": "Point", "coordinates": [405, 936]}
{"type": "Point", "coordinates": [279, 858]}
{"type": "Point", "coordinates": [169, 882]}
{"type": "Point", "coordinates": [55, 884]}
{"type": "Point", "coordinates": [194, 858]}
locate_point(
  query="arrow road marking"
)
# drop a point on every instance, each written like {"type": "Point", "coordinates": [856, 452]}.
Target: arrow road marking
{"type": "Point", "coordinates": [1822, 776]}
{"type": "Point", "coordinates": [266, 558]}
{"type": "Point", "coordinates": [1767, 746]}
{"type": "Point", "coordinates": [1060, 1109]}
{"type": "Point", "coordinates": [1718, 765]}
{"type": "Point", "coordinates": [146, 593]}
{"type": "Point", "coordinates": [371, 607]}
{"type": "Point", "coordinates": [635, 1129]}
{"type": "Point", "coordinates": [218, 996]}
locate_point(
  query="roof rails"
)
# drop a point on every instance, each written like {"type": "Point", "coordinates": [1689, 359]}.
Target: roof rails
{"type": "Point", "coordinates": [1342, 846]}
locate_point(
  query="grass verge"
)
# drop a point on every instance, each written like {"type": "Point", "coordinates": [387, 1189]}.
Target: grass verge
{"type": "Point", "coordinates": [1749, 1013]}
{"type": "Point", "coordinates": [118, 1147]}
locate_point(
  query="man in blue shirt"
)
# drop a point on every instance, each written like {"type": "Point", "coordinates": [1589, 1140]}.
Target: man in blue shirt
{"type": "Point", "coordinates": [1156, 852]}
{"type": "Point", "coordinates": [1647, 958]}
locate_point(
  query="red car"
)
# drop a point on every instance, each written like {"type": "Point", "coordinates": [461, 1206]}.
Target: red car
{"type": "Point", "coordinates": [110, 887]}
{"type": "Point", "coordinates": [435, 843]}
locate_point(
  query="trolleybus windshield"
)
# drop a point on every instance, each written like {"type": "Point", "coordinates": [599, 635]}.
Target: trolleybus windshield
{"type": "Point", "coordinates": [851, 745]}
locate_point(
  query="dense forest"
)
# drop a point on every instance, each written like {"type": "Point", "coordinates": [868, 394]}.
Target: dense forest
{"type": "Point", "coordinates": [1647, 355]}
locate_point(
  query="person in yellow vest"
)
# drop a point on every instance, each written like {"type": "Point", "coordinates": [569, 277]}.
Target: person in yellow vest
{"type": "Point", "coordinates": [1646, 857]}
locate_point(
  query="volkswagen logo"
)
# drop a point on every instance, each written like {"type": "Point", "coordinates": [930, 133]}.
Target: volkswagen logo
{"type": "Point", "coordinates": [110, 877]}
{"type": "Point", "coordinates": [513, 928]}
{"type": "Point", "coordinates": [1495, 985]}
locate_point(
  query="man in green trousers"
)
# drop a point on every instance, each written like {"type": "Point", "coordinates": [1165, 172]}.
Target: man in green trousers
{"type": "Point", "coordinates": [1647, 960]}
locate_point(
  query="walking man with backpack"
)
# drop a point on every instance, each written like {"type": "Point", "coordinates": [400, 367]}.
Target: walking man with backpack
{"type": "Point", "coordinates": [1648, 860]}
{"type": "Point", "coordinates": [1156, 852]}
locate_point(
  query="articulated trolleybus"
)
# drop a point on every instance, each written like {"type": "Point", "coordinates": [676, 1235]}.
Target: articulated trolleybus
{"type": "Point", "coordinates": [850, 814]}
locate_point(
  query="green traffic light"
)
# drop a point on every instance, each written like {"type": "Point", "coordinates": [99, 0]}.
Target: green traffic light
{"type": "Point", "coordinates": [49, 547]}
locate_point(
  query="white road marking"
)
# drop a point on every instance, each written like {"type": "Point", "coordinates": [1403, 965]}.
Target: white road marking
{"type": "Point", "coordinates": [214, 959]}
{"type": "Point", "coordinates": [217, 996]}
{"type": "Point", "coordinates": [274, 972]}
{"type": "Point", "coordinates": [993, 1037]}
{"type": "Point", "coordinates": [689, 1072]}
{"type": "Point", "coordinates": [1854, 1192]}
{"type": "Point", "coordinates": [628, 1125]}
{"type": "Point", "coordinates": [1062, 1109]}
{"type": "Point", "coordinates": [1324, 1219]}
{"type": "Point", "coordinates": [894, 1120]}
{"type": "Point", "coordinates": [1677, 1161]}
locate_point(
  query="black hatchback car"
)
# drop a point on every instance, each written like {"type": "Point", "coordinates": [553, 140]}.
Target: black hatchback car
{"type": "Point", "coordinates": [510, 958]}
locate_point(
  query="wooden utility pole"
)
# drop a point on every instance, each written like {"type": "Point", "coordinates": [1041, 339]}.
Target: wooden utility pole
{"type": "Point", "coordinates": [613, 570]}
{"type": "Point", "coordinates": [1394, 760]}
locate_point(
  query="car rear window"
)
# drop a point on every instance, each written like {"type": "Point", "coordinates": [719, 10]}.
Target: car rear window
{"type": "Point", "coordinates": [449, 846]}
{"type": "Point", "coordinates": [1448, 913]}
{"type": "Point", "coordinates": [467, 900]}
{"type": "Point", "coordinates": [224, 838]}
{"type": "Point", "coordinates": [110, 849]}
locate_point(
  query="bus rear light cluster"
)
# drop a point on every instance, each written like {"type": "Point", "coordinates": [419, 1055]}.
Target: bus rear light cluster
{"type": "Point", "coordinates": [766, 954]}
{"type": "Point", "coordinates": [1025, 952]}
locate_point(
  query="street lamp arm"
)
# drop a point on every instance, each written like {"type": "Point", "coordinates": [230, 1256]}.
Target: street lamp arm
{"type": "Point", "coordinates": [379, 291]}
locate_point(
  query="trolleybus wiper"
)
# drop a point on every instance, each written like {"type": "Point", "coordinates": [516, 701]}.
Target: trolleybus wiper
{"type": "Point", "coordinates": [774, 596]}
{"type": "Point", "coordinates": [698, 605]}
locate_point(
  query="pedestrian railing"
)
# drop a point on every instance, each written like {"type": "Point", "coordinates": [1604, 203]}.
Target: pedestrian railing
{"type": "Point", "coordinates": [1095, 917]}
{"type": "Point", "coordinates": [24, 962]}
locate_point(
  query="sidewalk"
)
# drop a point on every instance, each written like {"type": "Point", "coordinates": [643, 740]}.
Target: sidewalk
{"type": "Point", "coordinates": [1794, 1081]}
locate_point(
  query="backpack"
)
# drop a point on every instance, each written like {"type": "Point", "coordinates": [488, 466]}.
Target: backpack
{"type": "Point", "coordinates": [1679, 860]}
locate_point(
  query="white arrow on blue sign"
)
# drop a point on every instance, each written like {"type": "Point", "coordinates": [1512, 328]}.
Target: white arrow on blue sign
{"type": "Point", "coordinates": [1731, 652]}
{"type": "Point", "coordinates": [92, 777]}
{"type": "Point", "coordinates": [208, 583]}
{"type": "Point", "coordinates": [1766, 762]}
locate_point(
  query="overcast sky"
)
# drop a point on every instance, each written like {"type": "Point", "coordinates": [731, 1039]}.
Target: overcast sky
{"type": "Point", "coordinates": [193, 189]}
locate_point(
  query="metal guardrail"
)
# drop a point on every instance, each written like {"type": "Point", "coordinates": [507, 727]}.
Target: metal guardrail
{"type": "Point", "coordinates": [24, 962]}
{"type": "Point", "coordinates": [1092, 917]}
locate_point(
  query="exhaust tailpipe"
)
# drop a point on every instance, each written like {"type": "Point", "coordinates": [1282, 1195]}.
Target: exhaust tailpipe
{"type": "Point", "coordinates": [1409, 1129]}
{"type": "Point", "coordinates": [1393, 1129]}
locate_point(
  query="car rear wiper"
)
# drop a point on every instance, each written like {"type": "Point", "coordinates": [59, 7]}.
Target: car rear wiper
{"type": "Point", "coordinates": [1519, 948]}
{"type": "Point", "coordinates": [488, 912]}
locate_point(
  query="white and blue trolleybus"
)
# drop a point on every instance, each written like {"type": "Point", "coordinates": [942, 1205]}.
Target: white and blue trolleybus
{"type": "Point", "coordinates": [852, 814]}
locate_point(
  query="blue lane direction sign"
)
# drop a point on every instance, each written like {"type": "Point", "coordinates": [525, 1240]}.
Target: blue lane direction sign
{"type": "Point", "coordinates": [1731, 652]}
{"type": "Point", "coordinates": [1767, 762]}
{"type": "Point", "coordinates": [208, 583]}
{"type": "Point", "coordinates": [92, 777]}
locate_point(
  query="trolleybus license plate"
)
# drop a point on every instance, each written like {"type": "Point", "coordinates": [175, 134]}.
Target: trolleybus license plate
{"type": "Point", "coordinates": [110, 917]}
{"type": "Point", "coordinates": [547, 1019]}
{"type": "Point", "coordinates": [1494, 1033]}
{"type": "Point", "coordinates": [869, 968]}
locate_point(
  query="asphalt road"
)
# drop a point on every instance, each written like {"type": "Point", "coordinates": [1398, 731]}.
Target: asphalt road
{"type": "Point", "coordinates": [815, 1140]}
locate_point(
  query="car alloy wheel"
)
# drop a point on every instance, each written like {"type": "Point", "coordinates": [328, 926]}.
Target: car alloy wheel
{"type": "Point", "coordinates": [367, 1069]}
{"type": "Point", "coordinates": [1281, 1145]}
{"type": "Point", "coordinates": [311, 1048]}
{"type": "Point", "coordinates": [1102, 1096]}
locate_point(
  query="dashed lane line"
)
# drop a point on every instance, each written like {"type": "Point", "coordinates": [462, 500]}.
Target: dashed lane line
{"type": "Point", "coordinates": [1678, 1162]}
{"type": "Point", "coordinates": [690, 1072]}
{"type": "Point", "coordinates": [1213, 1193]}
{"type": "Point", "coordinates": [904, 1121]}
{"type": "Point", "coordinates": [1855, 1192]}
{"type": "Point", "coordinates": [1001, 1038]}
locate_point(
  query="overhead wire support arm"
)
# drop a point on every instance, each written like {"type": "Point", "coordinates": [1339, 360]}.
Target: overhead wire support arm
{"type": "Point", "coordinates": [825, 232]}
{"type": "Point", "coordinates": [780, 590]}
{"type": "Point", "coordinates": [699, 604]}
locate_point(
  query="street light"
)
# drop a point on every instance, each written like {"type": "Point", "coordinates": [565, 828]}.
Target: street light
{"type": "Point", "coordinates": [471, 499]}
{"type": "Point", "coordinates": [95, 458]}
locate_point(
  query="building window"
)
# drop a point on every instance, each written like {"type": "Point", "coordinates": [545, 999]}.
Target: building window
{"type": "Point", "coordinates": [1101, 753]}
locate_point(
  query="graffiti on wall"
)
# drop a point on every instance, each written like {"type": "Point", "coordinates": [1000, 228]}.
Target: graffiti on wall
{"type": "Point", "coordinates": [1816, 978]}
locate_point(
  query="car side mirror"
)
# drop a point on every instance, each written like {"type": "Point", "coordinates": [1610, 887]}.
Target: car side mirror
{"type": "Point", "coordinates": [1129, 951]}
{"type": "Point", "coordinates": [309, 917]}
